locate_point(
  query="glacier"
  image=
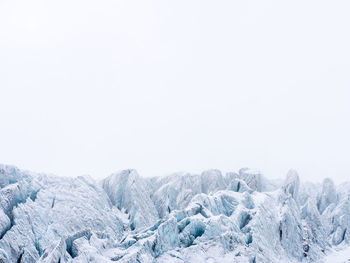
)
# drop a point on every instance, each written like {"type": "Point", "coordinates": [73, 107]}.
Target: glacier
{"type": "Point", "coordinates": [209, 217]}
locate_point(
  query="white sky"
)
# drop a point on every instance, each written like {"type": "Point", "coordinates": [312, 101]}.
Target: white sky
{"type": "Point", "coordinates": [92, 87]}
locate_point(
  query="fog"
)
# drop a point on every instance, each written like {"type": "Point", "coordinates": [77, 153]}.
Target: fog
{"type": "Point", "coordinates": [93, 87]}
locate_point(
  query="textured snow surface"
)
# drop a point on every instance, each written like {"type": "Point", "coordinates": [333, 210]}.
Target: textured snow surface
{"type": "Point", "coordinates": [210, 217]}
{"type": "Point", "coordinates": [338, 256]}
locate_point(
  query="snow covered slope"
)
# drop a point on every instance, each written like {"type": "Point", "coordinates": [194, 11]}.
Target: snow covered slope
{"type": "Point", "coordinates": [210, 217]}
{"type": "Point", "coordinates": [339, 256]}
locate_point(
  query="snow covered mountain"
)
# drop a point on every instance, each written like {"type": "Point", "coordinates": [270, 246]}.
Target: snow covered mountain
{"type": "Point", "coordinates": [211, 217]}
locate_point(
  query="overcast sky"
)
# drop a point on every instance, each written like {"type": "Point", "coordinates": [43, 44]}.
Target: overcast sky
{"type": "Point", "coordinates": [93, 87]}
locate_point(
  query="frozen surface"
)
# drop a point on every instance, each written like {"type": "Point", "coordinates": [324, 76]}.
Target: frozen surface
{"type": "Point", "coordinates": [339, 256]}
{"type": "Point", "coordinates": [210, 217]}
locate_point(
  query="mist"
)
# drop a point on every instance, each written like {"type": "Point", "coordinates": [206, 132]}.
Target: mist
{"type": "Point", "coordinates": [166, 86]}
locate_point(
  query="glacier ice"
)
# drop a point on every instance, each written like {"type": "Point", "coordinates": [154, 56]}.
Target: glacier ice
{"type": "Point", "coordinates": [207, 217]}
